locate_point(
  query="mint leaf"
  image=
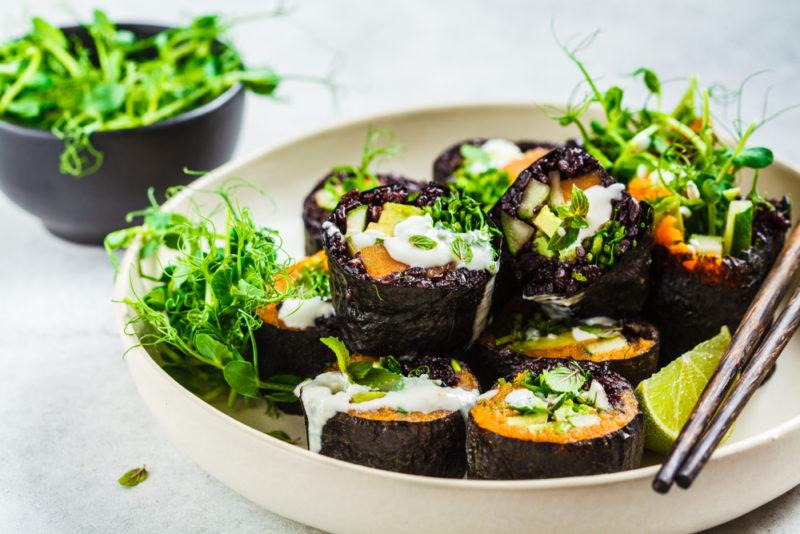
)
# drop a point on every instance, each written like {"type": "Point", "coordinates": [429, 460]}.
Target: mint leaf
{"type": "Point", "coordinates": [422, 242]}
{"type": "Point", "coordinates": [579, 205]}
{"type": "Point", "coordinates": [461, 250]}
{"type": "Point", "coordinates": [561, 241]}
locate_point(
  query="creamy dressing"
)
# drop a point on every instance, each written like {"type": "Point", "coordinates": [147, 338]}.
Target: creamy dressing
{"type": "Point", "coordinates": [501, 152]}
{"type": "Point", "coordinates": [600, 209]}
{"type": "Point", "coordinates": [488, 395]}
{"type": "Point", "coordinates": [302, 313]}
{"type": "Point", "coordinates": [524, 398]}
{"type": "Point", "coordinates": [401, 249]}
{"type": "Point", "coordinates": [330, 393]}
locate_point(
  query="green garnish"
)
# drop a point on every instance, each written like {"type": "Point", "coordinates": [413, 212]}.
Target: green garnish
{"type": "Point", "coordinates": [314, 281]}
{"type": "Point", "coordinates": [201, 315]}
{"type": "Point", "coordinates": [484, 187]}
{"type": "Point", "coordinates": [422, 242]}
{"type": "Point", "coordinates": [455, 365]}
{"type": "Point", "coordinates": [461, 250]}
{"type": "Point", "coordinates": [50, 82]}
{"type": "Point", "coordinates": [564, 379]}
{"type": "Point", "coordinates": [573, 218]}
{"type": "Point", "coordinates": [383, 375]}
{"type": "Point", "coordinates": [346, 178]}
{"type": "Point", "coordinates": [679, 150]}
{"type": "Point", "coordinates": [367, 396]}
{"type": "Point", "coordinates": [133, 477]}
{"type": "Point", "coordinates": [460, 214]}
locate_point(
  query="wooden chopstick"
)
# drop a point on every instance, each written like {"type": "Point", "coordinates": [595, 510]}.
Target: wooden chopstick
{"type": "Point", "coordinates": [752, 377]}
{"type": "Point", "coordinates": [749, 333]}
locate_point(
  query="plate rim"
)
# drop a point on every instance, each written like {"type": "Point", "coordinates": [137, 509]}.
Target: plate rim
{"type": "Point", "coordinates": [131, 345]}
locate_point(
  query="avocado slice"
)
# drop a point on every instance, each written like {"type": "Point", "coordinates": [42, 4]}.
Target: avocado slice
{"type": "Point", "coordinates": [384, 228]}
{"type": "Point", "coordinates": [533, 419]}
{"type": "Point", "coordinates": [564, 339]}
{"type": "Point", "coordinates": [541, 244]}
{"type": "Point", "coordinates": [738, 227]}
{"type": "Point", "coordinates": [394, 213]}
{"type": "Point", "coordinates": [517, 233]}
{"type": "Point", "coordinates": [535, 193]}
{"type": "Point", "coordinates": [547, 221]}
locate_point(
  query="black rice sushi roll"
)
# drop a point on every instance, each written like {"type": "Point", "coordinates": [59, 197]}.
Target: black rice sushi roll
{"type": "Point", "coordinates": [407, 417]}
{"type": "Point", "coordinates": [484, 168]}
{"type": "Point", "coordinates": [627, 347]}
{"type": "Point", "coordinates": [555, 420]}
{"type": "Point", "coordinates": [703, 282]}
{"type": "Point", "coordinates": [288, 340]}
{"type": "Point", "coordinates": [576, 241]}
{"type": "Point", "coordinates": [323, 198]}
{"type": "Point", "coordinates": [411, 271]}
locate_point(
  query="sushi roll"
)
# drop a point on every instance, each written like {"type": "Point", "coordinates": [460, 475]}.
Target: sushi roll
{"type": "Point", "coordinates": [411, 271]}
{"type": "Point", "coordinates": [553, 420]}
{"type": "Point", "coordinates": [576, 241]}
{"type": "Point", "coordinates": [628, 347]}
{"type": "Point", "coordinates": [702, 282]}
{"type": "Point", "coordinates": [288, 339]}
{"type": "Point", "coordinates": [484, 168]}
{"type": "Point", "coordinates": [405, 417]}
{"type": "Point", "coordinates": [323, 198]}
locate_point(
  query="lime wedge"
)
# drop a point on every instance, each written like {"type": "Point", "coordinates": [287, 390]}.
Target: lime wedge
{"type": "Point", "coordinates": [667, 397]}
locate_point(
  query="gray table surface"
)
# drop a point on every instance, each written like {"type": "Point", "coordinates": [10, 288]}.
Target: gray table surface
{"type": "Point", "coordinates": [70, 418]}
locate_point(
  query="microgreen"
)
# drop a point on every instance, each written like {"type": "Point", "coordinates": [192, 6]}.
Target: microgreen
{"type": "Point", "coordinates": [133, 477]}
{"type": "Point", "coordinates": [346, 178]}
{"type": "Point", "coordinates": [382, 375]}
{"type": "Point", "coordinates": [120, 81]}
{"type": "Point", "coordinates": [201, 314]}
{"type": "Point", "coordinates": [460, 214]}
{"type": "Point", "coordinates": [478, 179]}
{"type": "Point", "coordinates": [678, 149]}
{"type": "Point", "coordinates": [573, 218]}
{"type": "Point", "coordinates": [313, 281]}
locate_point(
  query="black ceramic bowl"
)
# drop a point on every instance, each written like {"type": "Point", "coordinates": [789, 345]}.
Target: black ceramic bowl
{"type": "Point", "coordinates": [85, 209]}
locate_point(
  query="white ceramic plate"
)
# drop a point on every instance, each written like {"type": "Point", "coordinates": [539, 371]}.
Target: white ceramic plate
{"type": "Point", "coordinates": [760, 461]}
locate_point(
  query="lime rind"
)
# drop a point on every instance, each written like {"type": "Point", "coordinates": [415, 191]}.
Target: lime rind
{"type": "Point", "coordinates": [668, 397]}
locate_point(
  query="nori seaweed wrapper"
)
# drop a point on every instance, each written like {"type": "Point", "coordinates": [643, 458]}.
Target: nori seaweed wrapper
{"type": "Point", "coordinates": [451, 159]}
{"type": "Point", "coordinates": [314, 215]}
{"type": "Point", "coordinates": [496, 457]}
{"type": "Point", "coordinates": [616, 291]}
{"type": "Point", "coordinates": [294, 352]}
{"type": "Point", "coordinates": [491, 361]}
{"type": "Point", "coordinates": [690, 306]}
{"type": "Point", "coordinates": [430, 448]}
{"type": "Point", "coordinates": [438, 311]}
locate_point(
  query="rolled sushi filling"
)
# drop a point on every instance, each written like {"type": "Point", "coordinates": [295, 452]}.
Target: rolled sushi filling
{"type": "Point", "coordinates": [414, 239]}
{"type": "Point", "coordinates": [566, 222]}
{"type": "Point", "coordinates": [383, 389]}
{"type": "Point", "coordinates": [311, 300]}
{"type": "Point", "coordinates": [487, 169]}
{"type": "Point", "coordinates": [561, 404]}
{"type": "Point", "coordinates": [595, 339]}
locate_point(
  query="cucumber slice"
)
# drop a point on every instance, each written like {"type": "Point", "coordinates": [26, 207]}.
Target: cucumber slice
{"type": "Point", "coordinates": [738, 227]}
{"type": "Point", "coordinates": [540, 244]}
{"type": "Point", "coordinates": [607, 345]}
{"type": "Point", "coordinates": [356, 219]}
{"type": "Point", "coordinates": [535, 194]}
{"type": "Point", "coordinates": [556, 197]}
{"type": "Point", "coordinates": [706, 244]}
{"type": "Point", "coordinates": [547, 221]}
{"type": "Point", "coordinates": [517, 233]}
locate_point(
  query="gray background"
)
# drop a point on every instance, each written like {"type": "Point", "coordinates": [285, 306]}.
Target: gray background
{"type": "Point", "coordinates": [70, 419]}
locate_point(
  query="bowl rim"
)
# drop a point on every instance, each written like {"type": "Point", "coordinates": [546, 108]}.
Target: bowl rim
{"type": "Point", "coordinates": [130, 341]}
{"type": "Point", "coordinates": [212, 105]}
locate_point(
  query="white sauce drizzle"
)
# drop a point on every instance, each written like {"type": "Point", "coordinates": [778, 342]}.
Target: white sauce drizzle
{"type": "Point", "coordinates": [302, 313]}
{"type": "Point", "coordinates": [501, 152]}
{"type": "Point", "coordinates": [488, 395]}
{"type": "Point", "coordinates": [401, 249]}
{"type": "Point", "coordinates": [330, 393]}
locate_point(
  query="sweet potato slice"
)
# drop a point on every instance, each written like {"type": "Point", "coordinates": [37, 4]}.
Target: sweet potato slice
{"type": "Point", "coordinates": [378, 263]}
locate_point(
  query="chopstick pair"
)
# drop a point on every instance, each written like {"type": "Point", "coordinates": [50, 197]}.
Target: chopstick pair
{"type": "Point", "coordinates": [717, 408]}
